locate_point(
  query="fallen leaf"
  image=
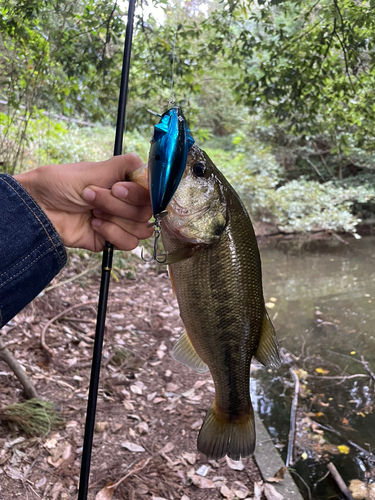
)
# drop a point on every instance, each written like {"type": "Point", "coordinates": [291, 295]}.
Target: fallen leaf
{"type": "Point", "coordinates": [106, 493]}
{"type": "Point", "coordinates": [234, 464]}
{"type": "Point", "coordinates": [345, 450]}
{"type": "Point", "coordinates": [136, 390]}
{"type": "Point", "coordinates": [167, 448]}
{"type": "Point", "coordinates": [322, 371]}
{"type": "Point", "coordinates": [142, 428]}
{"type": "Point", "coordinates": [185, 497]}
{"type": "Point", "coordinates": [101, 426]}
{"type": "Point", "coordinates": [190, 457]}
{"type": "Point", "coordinates": [171, 387]}
{"type": "Point", "coordinates": [202, 482]}
{"type": "Point", "coordinates": [345, 421]}
{"type": "Point", "coordinates": [197, 424]}
{"type": "Point", "coordinates": [227, 492]}
{"type": "Point", "coordinates": [271, 493]}
{"type": "Point", "coordinates": [279, 476]}
{"type": "Point", "coordinates": [240, 489]}
{"type": "Point", "coordinates": [41, 482]}
{"type": "Point", "coordinates": [304, 455]}
{"type": "Point", "coordinates": [132, 446]}
{"type": "Point", "coordinates": [258, 490]}
{"type": "Point", "coordinates": [128, 405]}
{"type": "Point", "coordinates": [361, 490]}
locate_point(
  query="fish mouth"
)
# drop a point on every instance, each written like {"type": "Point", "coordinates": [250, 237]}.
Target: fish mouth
{"type": "Point", "coordinates": [184, 212]}
{"type": "Point", "coordinates": [185, 216]}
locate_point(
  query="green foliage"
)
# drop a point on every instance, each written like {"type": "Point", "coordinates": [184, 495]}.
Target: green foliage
{"type": "Point", "coordinates": [34, 417]}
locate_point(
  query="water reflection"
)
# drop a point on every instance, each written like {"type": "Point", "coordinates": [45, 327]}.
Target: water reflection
{"type": "Point", "coordinates": [321, 297]}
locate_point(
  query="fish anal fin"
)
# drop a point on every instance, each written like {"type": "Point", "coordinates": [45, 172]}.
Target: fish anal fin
{"type": "Point", "coordinates": [219, 436]}
{"type": "Point", "coordinates": [184, 353]}
{"type": "Point", "coordinates": [268, 351]}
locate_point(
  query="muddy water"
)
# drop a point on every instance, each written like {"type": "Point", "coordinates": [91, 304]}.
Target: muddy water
{"type": "Point", "coordinates": [324, 313]}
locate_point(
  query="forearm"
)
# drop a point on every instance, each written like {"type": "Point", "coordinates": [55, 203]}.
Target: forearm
{"type": "Point", "coordinates": [31, 250]}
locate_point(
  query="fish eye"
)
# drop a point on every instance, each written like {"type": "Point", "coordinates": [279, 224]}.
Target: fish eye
{"type": "Point", "coordinates": [157, 157]}
{"type": "Point", "coordinates": [199, 169]}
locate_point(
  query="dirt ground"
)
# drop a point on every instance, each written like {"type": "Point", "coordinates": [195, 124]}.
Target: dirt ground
{"type": "Point", "coordinates": [150, 408]}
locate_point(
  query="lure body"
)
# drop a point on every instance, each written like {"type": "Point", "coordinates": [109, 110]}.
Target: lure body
{"type": "Point", "coordinates": [167, 159]}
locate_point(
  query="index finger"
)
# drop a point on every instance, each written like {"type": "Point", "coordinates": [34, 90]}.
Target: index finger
{"type": "Point", "coordinates": [132, 193]}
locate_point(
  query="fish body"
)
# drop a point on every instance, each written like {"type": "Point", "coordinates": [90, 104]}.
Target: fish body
{"type": "Point", "coordinates": [167, 158]}
{"type": "Point", "coordinates": [215, 270]}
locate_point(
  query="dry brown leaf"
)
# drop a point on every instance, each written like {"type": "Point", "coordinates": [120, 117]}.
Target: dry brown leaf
{"type": "Point", "coordinates": [132, 446]}
{"type": "Point", "coordinates": [106, 493]}
{"type": "Point", "coordinates": [171, 387]}
{"type": "Point", "coordinates": [142, 428]}
{"type": "Point", "coordinates": [101, 426]}
{"type": "Point", "coordinates": [361, 490]}
{"type": "Point", "coordinates": [190, 457]}
{"type": "Point", "coordinates": [271, 493]}
{"type": "Point", "coordinates": [197, 424]}
{"type": "Point", "coordinates": [167, 448]}
{"type": "Point", "coordinates": [202, 482]}
{"type": "Point", "coordinates": [227, 492]}
{"type": "Point", "coordinates": [234, 464]}
{"type": "Point", "coordinates": [128, 405]}
{"type": "Point", "coordinates": [240, 489]}
{"type": "Point", "coordinates": [279, 476]}
{"type": "Point", "coordinates": [136, 390]}
{"type": "Point", "coordinates": [258, 490]}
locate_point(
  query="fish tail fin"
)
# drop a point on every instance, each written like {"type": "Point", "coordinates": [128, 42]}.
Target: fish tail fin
{"type": "Point", "coordinates": [219, 436]}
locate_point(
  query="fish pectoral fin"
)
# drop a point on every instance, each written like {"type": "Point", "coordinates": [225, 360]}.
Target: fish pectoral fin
{"type": "Point", "coordinates": [268, 350]}
{"type": "Point", "coordinates": [184, 353]}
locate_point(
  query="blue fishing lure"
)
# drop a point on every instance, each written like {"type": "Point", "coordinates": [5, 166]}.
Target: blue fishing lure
{"type": "Point", "coordinates": [167, 159]}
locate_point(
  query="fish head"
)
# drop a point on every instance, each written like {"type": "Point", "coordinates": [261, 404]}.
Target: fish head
{"type": "Point", "coordinates": [197, 212]}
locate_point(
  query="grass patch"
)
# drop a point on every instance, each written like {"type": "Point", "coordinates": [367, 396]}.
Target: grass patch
{"type": "Point", "coordinates": [34, 417]}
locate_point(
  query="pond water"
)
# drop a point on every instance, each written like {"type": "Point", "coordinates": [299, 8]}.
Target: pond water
{"type": "Point", "coordinates": [324, 313]}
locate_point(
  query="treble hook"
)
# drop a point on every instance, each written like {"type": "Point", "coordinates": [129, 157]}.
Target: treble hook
{"type": "Point", "coordinates": [161, 259]}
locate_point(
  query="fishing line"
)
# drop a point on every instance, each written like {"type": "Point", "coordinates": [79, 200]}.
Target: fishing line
{"type": "Point", "coordinates": [171, 98]}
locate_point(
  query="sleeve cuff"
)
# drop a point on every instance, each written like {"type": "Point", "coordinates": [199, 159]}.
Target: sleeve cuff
{"type": "Point", "coordinates": [31, 251]}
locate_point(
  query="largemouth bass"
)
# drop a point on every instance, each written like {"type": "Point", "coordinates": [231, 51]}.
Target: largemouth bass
{"type": "Point", "coordinates": [215, 269]}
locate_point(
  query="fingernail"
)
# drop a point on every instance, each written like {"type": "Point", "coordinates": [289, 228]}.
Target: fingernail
{"type": "Point", "coordinates": [96, 222]}
{"type": "Point", "coordinates": [88, 195]}
{"type": "Point", "coordinates": [120, 192]}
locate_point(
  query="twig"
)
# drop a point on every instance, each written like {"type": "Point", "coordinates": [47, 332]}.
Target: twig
{"type": "Point", "coordinates": [292, 471]}
{"type": "Point", "coordinates": [130, 473]}
{"type": "Point", "coordinates": [334, 431]}
{"type": "Point", "coordinates": [43, 334]}
{"type": "Point", "coordinates": [71, 279]}
{"type": "Point", "coordinates": [367, 368]}
{"type": "Point", "coordinates": [19, 372]}
{"type": "Point", "coordinates": [293, 412]}
{"type": "Point", "coordinates": [339, 377]}
{"type": "Point", "coordinates": [339, 481]}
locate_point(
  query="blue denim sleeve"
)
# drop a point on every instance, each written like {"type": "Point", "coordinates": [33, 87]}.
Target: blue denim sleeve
{"type": "Point", "coordinates": [31, 250]}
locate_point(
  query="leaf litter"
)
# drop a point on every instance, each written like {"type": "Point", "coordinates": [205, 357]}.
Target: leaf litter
{"type": "Point", "coordinates": [149, 410]}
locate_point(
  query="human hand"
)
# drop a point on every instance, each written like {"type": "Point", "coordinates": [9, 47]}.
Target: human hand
{"type": "Point", "coordinates": [89, 203]}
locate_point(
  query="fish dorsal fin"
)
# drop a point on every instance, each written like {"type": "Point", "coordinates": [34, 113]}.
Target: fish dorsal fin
{"type": "Point", "coordinates": [184, 353]}
{"type": "Point", "coordinates": [268, 351]}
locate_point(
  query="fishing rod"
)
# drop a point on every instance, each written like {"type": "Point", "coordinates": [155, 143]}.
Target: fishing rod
{"type": "Point", "coordinates": [106, 274]}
